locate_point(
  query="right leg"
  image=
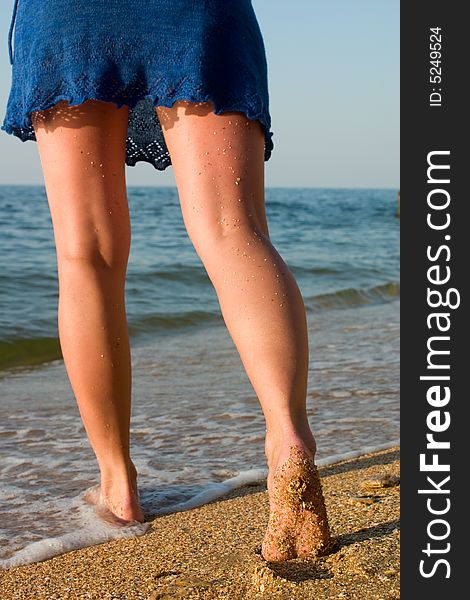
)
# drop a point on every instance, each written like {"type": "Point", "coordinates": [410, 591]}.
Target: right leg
{"type": "Point", "coordinates": [82, 151]}
{"type": "Point", "coordinates": [219, 170]}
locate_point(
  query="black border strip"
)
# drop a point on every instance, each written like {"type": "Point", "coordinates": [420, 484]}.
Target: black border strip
{"type": "Point", "coordinates": [434, 255]}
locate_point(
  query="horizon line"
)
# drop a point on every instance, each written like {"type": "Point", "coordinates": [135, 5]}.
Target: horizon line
{"type": "Point", "coordinates": [270, 187]}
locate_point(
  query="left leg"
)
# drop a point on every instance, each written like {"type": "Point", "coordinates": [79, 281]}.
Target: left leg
{"type": "Point", "coordinates": [82, 151]}
{"type": "Point", "coordinates": [218, 161]}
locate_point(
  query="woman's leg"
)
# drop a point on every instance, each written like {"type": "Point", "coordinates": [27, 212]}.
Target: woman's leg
{"type": "Point", "coordinates": [82, 151]}
{"type": "Point", "coordinates": [218, 161]}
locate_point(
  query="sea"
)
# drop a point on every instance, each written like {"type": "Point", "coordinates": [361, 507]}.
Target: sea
{"type": "Point", "coordinates": [197, 430]}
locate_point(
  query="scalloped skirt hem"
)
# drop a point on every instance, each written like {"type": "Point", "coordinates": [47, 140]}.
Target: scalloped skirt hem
{"type": "Point", "coordinates": [142, 109]}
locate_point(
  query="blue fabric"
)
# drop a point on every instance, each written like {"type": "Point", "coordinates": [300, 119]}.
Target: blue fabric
{"type": "Point", "coordinates": [142, 53]}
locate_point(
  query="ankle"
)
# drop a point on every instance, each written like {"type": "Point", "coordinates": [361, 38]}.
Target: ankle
{"type": "Point", "coordinates": [278, 442]}
{"type": "Point", "coordinates": [118, 473]}
{"type": "Point", "coordinates": [124, 490]}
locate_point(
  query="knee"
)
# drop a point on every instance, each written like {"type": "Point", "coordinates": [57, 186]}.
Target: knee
{"type": "Point", "coordinates": [93, 252]}
{"type": "Point", "coordinates": [237, 239]}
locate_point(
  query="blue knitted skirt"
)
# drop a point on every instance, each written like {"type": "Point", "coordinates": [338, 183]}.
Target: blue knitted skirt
{"type": "Point", "coordinates": [139, 53]}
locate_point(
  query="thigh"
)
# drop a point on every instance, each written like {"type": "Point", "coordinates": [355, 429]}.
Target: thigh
{"type": "Point", "coordinates": [82, 152]}
{"type": "Point", "coordinates": [218, 161]}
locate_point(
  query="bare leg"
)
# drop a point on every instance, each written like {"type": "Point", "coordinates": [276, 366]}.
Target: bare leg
{"type": "Point", "coordinates": [82, 154]}
{"type": "Point", "coordinates": [218, 162]}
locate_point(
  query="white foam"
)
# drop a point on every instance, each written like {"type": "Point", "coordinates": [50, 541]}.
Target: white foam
{"type": "Point", "coordinates": [251, 476]}
{"type": "Point", "coordinates": [330, 460]}
{"type": "Point", "coordinates": [91, 531]}
{"type": "Point", "coordinates": [217, 490]}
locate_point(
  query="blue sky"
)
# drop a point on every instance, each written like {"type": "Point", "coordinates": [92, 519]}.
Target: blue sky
{"type": "Point", "coordinates": [333, 68]}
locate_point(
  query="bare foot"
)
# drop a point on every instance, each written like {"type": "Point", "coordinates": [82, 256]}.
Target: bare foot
{"type": "Point", "coordinates": [119, 503]}
{"type": "Point", "coordinates": [298, 523]}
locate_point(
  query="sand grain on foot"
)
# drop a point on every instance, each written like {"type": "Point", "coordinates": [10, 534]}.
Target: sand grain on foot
{"type": "Point", "coordinates": [298, 522]}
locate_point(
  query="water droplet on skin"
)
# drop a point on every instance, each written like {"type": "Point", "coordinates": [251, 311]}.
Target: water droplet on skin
{"type": "Point", "coordinates": [281, 304]}
{"type": "Point", "coordinates": [101, 164]}
{"type": "Point", "coordinates": [102, 355]}
{"type": "Point", "coordinates": [92, 163]}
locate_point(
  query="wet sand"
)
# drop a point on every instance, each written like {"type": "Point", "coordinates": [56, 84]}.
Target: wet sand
{"type": "Point", "coordinates": [213, 551]}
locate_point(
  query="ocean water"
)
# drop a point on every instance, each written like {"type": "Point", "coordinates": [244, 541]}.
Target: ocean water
{"type": "Point", "coordinates": [197, 429]}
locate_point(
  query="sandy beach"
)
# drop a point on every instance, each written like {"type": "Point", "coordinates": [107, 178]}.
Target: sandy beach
{"type": "Point", "coordinates": [214, 551]}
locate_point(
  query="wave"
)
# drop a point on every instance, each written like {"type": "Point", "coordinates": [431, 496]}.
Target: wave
{"type": "Point", "coordinates": [26, 352]}
{"type": "Point", "coordinates": [354, 297]}
{"type": "Point", "coordinates": [172, 321]}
